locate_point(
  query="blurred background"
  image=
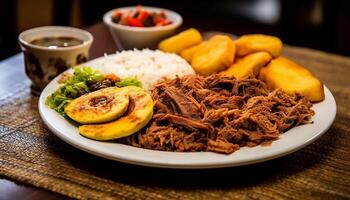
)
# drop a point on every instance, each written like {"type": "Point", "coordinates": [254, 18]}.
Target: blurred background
{"type": "Point", "coordinates": [318, 24]}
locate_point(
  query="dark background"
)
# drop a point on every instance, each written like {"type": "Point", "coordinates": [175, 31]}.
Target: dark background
{"type": "Point", "coordinates": [317, 24]}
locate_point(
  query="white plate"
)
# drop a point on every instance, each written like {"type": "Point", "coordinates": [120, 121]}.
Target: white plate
{"type": "Point", "coordinates": [289, 141]}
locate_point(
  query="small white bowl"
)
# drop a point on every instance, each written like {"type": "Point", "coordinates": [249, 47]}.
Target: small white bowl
{"type": "Point", "coordinates": [141, 37]}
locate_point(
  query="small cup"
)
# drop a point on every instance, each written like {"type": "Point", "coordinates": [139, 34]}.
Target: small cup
{"type": "Point", "coordinates": [42, 63]}
{"type": "Point", "coordinates": [141, 37]}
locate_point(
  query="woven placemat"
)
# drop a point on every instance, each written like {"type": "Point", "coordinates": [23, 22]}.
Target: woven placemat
{"type": "Point", "coordinates": [31, 154]}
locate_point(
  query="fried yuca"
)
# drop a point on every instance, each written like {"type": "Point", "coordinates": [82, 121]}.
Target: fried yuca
{"type": "Point", "coordinates": [181, 41]}
{"type": "Point", "coordinates": [248, 65]}
{"type": "Point", "coordinates": [215, 55]}
{"type": "Point", "coordinates": [292, 78]}
{"type": "Point", "coordinates": [248, 44]}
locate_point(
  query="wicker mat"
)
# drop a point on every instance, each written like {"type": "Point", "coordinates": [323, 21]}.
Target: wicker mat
{"type": "Point", "coordinates": [29, 153]}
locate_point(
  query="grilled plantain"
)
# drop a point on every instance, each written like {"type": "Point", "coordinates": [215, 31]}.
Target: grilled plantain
{"type": "Point", "coordinates": [99, 106]}
{"type": "Point", "coordinates": [138, 115]}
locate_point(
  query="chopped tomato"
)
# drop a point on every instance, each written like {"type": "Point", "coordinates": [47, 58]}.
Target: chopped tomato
{"type": "Point", "coordinates": [113, 77]}
{"type": "Point", "coordinates": [140, 17]}
{"type": "Point", "coordinates": [162, 14]}
{"type": "Point", "coordinates": [157, 19]}
{"type": "Point", "coordinates": [139, 8]}
{"type": "Point", "coordinates": [134, 22]}
{"type": "Point", "coordinates": [163, 22]}
{"type": "Point", "coordinates": [117, 14]}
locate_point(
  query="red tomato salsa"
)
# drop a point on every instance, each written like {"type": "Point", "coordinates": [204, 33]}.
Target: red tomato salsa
{"type": "Point", "coordinates": [140, 18]}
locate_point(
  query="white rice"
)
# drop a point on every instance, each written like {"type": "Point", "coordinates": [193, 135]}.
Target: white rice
{"type": "Point", "coordinates": [147, 65]}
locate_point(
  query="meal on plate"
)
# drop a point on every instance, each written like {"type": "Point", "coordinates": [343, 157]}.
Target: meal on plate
{"type": "Point", "coordinates": [190, 95]}
{"type": "Point", "coordinates": [141, 17]}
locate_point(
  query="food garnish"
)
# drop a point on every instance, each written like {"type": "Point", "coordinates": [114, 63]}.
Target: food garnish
{"type": "Point", "coordinates": [75, 86]}
{"type": "Point", "coordinates": [99, 106]}
{"type": "Point", "coordinates": [140, 17]}
{"type": "Point", "coordinates": [132, 81]}
{"type": "Point", "coordinates": [113, 77]}
{"type": "Point", "coordinates": [139, 113]}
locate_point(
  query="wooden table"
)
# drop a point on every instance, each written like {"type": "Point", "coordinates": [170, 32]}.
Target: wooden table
{"type": "Point", "coordinates": [323, 167]}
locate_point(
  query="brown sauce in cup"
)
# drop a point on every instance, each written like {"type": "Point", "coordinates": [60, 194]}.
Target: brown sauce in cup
{"type": "Point", "coordinates": [56, 42]}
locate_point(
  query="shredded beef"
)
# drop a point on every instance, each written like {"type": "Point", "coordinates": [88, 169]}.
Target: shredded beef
{"type": "Point", "coordinates": [188, 123]}
{"type": "Point", "coordinates": [187, 106]}
{"type": "Point", "coordinates": [218, 113]}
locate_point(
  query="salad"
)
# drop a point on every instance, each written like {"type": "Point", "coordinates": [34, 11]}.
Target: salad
{"type": "Point", "coordinates": [84, 80]}
{"type": "Point", "coordinates": [140, 18]}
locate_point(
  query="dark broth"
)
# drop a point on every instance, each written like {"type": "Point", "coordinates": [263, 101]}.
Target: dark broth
{"type": "Point", "coordinates": [55, 42]}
